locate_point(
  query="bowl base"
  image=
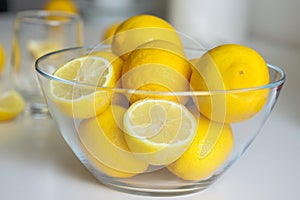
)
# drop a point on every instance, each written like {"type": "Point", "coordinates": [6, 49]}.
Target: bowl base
{"type": "Point", "coordinates": [154, 191]}
{"type": "Point", "coordinates": [134, 185]}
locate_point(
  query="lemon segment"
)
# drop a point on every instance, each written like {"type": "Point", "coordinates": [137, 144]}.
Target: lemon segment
{"type": "Point", "coordinates": [196, 165]}
{"type": "Point", "coordinates": [103, 139]}
{"type": "Point", "coordinates": [158, 131]}
{"type": "Point", "coordinates": [11, 105]}
{"type": "Point", "coordinates": [83, 101]}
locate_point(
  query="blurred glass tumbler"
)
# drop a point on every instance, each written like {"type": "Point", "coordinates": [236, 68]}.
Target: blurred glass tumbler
{"type": "Point", "coordinates": [36, 33]}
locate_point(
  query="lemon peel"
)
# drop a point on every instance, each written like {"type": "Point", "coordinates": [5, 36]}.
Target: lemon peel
{"type": "Point", "coordinates": [230, 67]}
{"type": "Point", "coordinates": [103, 139]}
{"type": "Point", "coordinates": [192, 165]}
{"type": "Point", "coordinates": [140, 29]}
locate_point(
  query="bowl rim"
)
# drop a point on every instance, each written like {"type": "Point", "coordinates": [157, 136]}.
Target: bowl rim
{"type": "Point", "coordinates": [42, 17]}
{"type": "Point", "coordinates": [272, 84]}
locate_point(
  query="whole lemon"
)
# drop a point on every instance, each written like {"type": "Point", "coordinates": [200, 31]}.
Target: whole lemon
{"type": "Point", "coordinates": [109, 33]}
{"type": "Point", "coordinates": [210, 148]}
{"type": "Point", "coordinates": [61, 5]}
{"type": "Point", "coordinates": [140, 29]}
{"type": "Point", "coordinates": [159, 66]}
{"type": "Point", "coordinates": [103, 140]}
{"type": "Point", "coordinates": [233, 74]}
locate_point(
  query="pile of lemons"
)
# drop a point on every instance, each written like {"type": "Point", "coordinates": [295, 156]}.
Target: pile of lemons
{"type": "Point", "coordinates": [124, 134]}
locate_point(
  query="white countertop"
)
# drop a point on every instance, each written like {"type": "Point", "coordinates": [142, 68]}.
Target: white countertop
{"type": "Point", "coordinates": [36, 163]}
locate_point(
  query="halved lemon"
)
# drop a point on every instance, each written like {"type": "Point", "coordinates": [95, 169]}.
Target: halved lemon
{"type": "Point", "coordinates": [11, 105]}
{"type": "Point", "coordinates": [79, 101]}
{"type": "Point", "coordinates": [158, 131]}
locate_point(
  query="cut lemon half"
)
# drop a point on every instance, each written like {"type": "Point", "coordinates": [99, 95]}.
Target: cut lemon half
{"type": "Point", "coordinates": [83, 101]}
{"type": "Point", "coordinates": [158, 131]}
{"type": "Point", "coordinates": [11, 105]}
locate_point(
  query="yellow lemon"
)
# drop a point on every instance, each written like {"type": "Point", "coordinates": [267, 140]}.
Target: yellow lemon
{"type": "Point", "coordinates": [158, 66]}
{"type": "Point", "coordinates": [61, 5]}
{"type": "Point", "coordinates": [11, 105]}
{"type": "Point", "coordinates": [195, 163]}
{"type": "Point", "coordinates": [109, 32]}
{"type": "Point", "coordinates": [2, 58]}
{"type": "Point", "coordinates": [231, 67]}
{"type": "Point", "coordinates": [105, 169]}
{"type": "Point", "coordinates": [140, 29]}
{"type": "Point", "coordinates": [84, 101]}
{"type": "Point", "coordinates": [103, 140]}
{"type": "Point", "coordinates": [16, 56]}
{"type": "Point", "coordinates": [116, 63]}
{"type": "Point", "coordinates": [158, 131]}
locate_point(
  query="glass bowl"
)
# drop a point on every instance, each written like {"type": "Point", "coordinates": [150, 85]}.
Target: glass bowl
{"type": "Point", "coordinates": [125, 170]}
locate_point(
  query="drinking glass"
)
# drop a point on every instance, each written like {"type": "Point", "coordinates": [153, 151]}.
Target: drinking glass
{"type": "Point", "coordinates": [37, 32]}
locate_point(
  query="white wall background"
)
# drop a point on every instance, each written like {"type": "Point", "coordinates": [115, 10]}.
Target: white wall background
{"type": "Point", "coordinates": [224, 20]}
{"type": "Point", "coordinates": [211, 21]}
{"type": "Point", "coordinates": [276, 20]}
{"type": "Point", "coordinates": [235, 20]}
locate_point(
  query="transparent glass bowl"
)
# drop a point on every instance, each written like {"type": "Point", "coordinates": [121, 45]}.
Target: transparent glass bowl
{"type": "Point", "coordinates": [155, 180]}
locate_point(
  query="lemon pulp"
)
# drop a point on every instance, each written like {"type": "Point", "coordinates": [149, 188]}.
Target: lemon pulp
{"type": "Point", "coordinates": [83, 101]}
{"type": "Point", "coordinates": [158, 131]}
